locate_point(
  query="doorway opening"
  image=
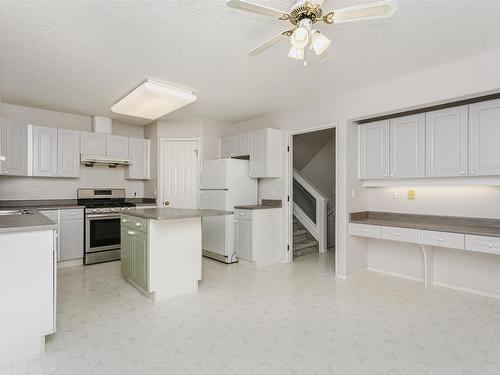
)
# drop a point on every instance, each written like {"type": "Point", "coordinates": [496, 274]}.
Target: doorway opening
{"type": "Point", "coordinates": [312, 187]}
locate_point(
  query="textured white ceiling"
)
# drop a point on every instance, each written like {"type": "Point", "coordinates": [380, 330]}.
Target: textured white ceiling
{"type": "Point", "coordinates": [81, 57]}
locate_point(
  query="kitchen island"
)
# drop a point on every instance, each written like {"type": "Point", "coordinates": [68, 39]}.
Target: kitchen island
{"type": "Point", "coordinates": [27, 284]}
{"type": "Point", "coordinates": [161, 250]}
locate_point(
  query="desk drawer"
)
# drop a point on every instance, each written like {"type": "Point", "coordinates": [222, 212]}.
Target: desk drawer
{"type": "Point", "coordinates": [442, 239]}
{"type": "Point", "coordinates": [400, 234]}
{"type": "Point", "coordinates": [482, 244]}
{"type": "Point", "coordinates": [365, 230]}
{"type": "Point", "coordinates": [127, 221]}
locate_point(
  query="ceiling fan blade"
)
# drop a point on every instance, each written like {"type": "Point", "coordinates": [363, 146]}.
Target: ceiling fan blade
{"type": "Point", "coordinates": [380, 9]}
{"type": "Point", "coordinates": [256, 8]}
{"type": "Point", "coordinates": [269, 43]}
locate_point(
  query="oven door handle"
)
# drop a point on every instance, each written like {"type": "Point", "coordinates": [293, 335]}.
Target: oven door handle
{"type": "Point", "coordinates": [97, 216]}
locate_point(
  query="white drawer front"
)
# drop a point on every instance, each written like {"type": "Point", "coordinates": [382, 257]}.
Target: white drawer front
{"type": "Point", "coordinates": [482, 244]}
{"type": "Point", "coordinates": [72, 214]}
{"type": "Point", "coordinates": [400, 234]}
{"type": "Point", "coordinates": [243, 214]}
{"type": "Point", "coordinates": [364, 230]}
{"type": "Point", "coordinates": [442, 239]}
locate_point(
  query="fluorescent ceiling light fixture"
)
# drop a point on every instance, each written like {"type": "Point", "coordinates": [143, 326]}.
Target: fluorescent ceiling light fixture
{"type": "Point", "coordinates": [152, 100]}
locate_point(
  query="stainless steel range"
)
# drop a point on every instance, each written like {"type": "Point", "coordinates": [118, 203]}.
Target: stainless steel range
{"type": "Point", "coordinates": [102, 223]}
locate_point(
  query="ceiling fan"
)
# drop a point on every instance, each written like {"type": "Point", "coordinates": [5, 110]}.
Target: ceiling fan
{"type": "Point", "coordinates": [302, 17]}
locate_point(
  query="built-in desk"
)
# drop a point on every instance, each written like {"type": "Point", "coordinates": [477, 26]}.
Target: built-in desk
{"type": "Point", "coordinates": [429, 231]}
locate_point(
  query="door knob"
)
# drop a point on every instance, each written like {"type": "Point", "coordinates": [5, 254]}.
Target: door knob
{"type": "Point", "coordinates": [166, 203]}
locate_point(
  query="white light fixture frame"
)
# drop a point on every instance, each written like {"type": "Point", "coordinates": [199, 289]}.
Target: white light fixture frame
{"type": "Point", "coordinates": [152, 100]}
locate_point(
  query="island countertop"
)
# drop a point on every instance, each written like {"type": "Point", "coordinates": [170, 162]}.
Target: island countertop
{"type": "Point", "coordinates": [174, 213]}
{"type": "Point", "coordinates": [24, 223]}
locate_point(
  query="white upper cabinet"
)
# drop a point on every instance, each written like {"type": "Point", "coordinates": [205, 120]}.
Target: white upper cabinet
{"type": "Point", "coordinates": [374, 150]}
{"type": "Point", "coordinates": [14, 147]}
{"type": "Point", "coordinates": [139, 154]}
{"type": "Point", "coordinates": [484, 138]}
{"type": "Point", "coordinates": [44, 151]}
{"type": "Point", "coordinates": [446, 133]}
{"type": "Point", "coordinates": [227, 147]}
{"type": "Point", "coordinates": [68, 155]}
{"type": "Point", "coordinates": [265, 153]}
{"type": "Point", "coordinates": [407, 146]}
{"type": "Point", "coordinates": [93, 143]}
{"type": "Point", "coordinates": [117, 146]}
{"type": "Point", "coordinates": [242, 144]}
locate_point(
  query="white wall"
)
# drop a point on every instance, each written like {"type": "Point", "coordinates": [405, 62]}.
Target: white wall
{"type": "Point", "coordinates": [458, 80]}
{"type": "Point", "coordinates": [65, 188]}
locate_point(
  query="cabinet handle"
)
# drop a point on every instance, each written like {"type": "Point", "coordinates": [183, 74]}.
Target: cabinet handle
{"type": "Point", "coordinates": [440, 239]}
{"type": "Point", "coordinates": [2, 158]}
{"type": "Point", "coordinates": [472, 172]}
{"type": "Point", "coordinates": [392, 175]}
{"type": "Point", "coordinates": [364, 230]}
{"type": "Point", "coordinates": [490, 245]}
{"type": "Point", "coordinates": [397, 234]}
{"type": "Point", "coordinates": [5, 172]}
{"type": "Point", "coordinates": [137, 224]}
{"type": "Point", "coordinates": [124, 221]}
{"type": "Point", "coordinates": [131, 232]}
{"type": "Point", "coordinates": [462, 173]}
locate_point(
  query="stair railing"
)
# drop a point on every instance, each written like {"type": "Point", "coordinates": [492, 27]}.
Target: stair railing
{"type": "Point", "coordinates": [317, 224]}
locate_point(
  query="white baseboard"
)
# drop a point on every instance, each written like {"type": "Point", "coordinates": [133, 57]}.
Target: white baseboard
{"type": "Point", "coordinates": [437, 283]}
{"type": "Point", "coordinates": [70, 263]}
{"type": "Point", "coordinates": [412, 278]}
{"type": "Point", "coordinates": [467, 290]}
{"type": "Point", "coordinates": [347, 277]}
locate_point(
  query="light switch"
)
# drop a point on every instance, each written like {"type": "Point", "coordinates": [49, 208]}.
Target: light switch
{"type": "Point", "coordinates": [411, 194]}
{"type": "Point", "coordinates": [394, 194]}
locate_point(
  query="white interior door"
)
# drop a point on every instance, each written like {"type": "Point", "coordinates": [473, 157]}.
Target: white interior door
{"type": "Point", "coordinates": [179, 174]}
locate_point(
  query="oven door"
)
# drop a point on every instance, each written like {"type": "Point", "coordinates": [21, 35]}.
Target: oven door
{"type": "Point", "coordinates": [102, 232]}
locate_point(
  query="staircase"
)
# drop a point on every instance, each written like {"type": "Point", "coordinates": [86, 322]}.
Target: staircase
{"type": "Point", "coordinates": [303, 241]}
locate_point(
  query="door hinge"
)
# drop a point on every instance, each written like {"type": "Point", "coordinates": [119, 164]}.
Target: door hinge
{"type": "Point", "coordinates": [287, 148]}
{"type": "Point", "coordinates": [288, 198]}
{"type": "Point", "coordinates": [287, 247]}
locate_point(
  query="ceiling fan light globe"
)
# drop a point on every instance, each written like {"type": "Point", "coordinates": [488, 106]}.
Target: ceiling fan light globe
{"type": "Point", "coordinates": [300, 37]}
{"type": "Point", "coordinates": [296, 53]}
{"type": "Point", "coordinates": [320, 43]}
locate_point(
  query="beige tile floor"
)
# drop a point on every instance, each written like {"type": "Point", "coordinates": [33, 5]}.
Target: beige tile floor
{"type": "Point", "coordinates": [282, 319]}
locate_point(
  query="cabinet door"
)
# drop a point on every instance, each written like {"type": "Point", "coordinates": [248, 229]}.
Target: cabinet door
{"type": "Point", "coordinates": [93, 143]}
{"type": "Point", "coordinates": [243, 239]}
{"type": "Point", "coordinates": [116, 146]}
{"type": "Point", "coordinates": [407, 147]}
{"type": "Point", "coordinates": [139, 154]}
{"type": "Point", "coordinates": [14, 147]}
{"type": "Point", "coordinates": [242, 145]}
{"type": "Point", "coordinates": [258, 154]}
{"type": "Point", "coordinates": [373, 143]}
{"type": "Point", "coordinates": [484, 138]}
{"type": "Point", "coordinates": [140, 260]}
{"type": "Point", "coordinates": [44, 151]}
{"type": "Point", "coordinates": [126, 252]}
{"type": "Point", "coordinates": [71, 239]}
{"type": "Point", "coordinates": [227, 147]}
{"type": "Point", "coordinates": [68, 155]}
{"type": "Point", "coordinates": [446, 134]}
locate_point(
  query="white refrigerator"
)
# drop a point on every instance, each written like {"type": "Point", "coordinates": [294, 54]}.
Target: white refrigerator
{"type": "Point", "coordinates": [224, 183]}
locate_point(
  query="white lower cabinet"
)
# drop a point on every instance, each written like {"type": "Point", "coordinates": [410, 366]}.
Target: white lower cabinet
{"type": "Point", "coordinates": [70, 232]}
{"type": "Point", "coordinates": [135, 251]}
{"type": "Point", "coordinates": [258, 235]}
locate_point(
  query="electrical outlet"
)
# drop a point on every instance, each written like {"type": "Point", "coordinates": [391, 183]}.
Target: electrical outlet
{"type": "Point", "coordinates": [36, 193]}
{"type": "Point", "coordinates": [394, 194]}
{"type": "Point", "coordinates": [411, 194]}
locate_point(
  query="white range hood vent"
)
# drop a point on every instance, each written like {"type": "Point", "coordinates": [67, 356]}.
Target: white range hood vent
{"type": "Point", "coordinates": [111, 162]}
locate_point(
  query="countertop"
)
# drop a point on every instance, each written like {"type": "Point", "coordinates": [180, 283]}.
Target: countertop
{"type": "Point", "coordinates": [25, 223]}
{"type": "Point", "coordinates": [453, 224]}
{"type": "Point", "coordinates": [266, 204]}
{"type": "Point", "coordinates": [174, 213]}
{"type": "Point", "coordinates": [42, 204]}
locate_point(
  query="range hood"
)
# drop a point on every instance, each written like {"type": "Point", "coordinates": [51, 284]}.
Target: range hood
{"type": "Point", "coordinates": [110, 161]}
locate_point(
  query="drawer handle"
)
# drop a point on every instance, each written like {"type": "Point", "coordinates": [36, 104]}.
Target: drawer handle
{"type": "Point", "coordinates": [490, 245]}
{"type": "Point", "coordinates": [364, 231]}
{"type": "Point", "coordinates": [137, 224]}
{"type": "Point", "coordinates": [124, 221]}
{"type": "Point", "coordinates": [131, 232]}
{"type": "Point", "coordinates": [397, 234]}
{"type": "Point", "coordinates": [440, 239]}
